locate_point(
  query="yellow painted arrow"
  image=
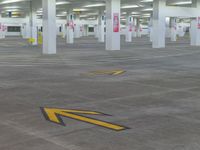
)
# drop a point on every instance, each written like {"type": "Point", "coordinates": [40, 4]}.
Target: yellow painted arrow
{"type": "Point", "coordinates": [54, 115]}
{"type": "Point", "coordinates": [108, 72]}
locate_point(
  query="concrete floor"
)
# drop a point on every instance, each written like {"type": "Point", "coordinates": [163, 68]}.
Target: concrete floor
{"type": "Point", "coordinates": [158, 97]}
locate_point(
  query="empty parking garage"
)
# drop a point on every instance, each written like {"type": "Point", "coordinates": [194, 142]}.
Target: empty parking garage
{"type": "Point", "coordinates": [99, 75]}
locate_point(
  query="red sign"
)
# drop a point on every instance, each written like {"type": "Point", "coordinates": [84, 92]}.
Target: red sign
{"type": "Point", "coordinates": [198, 22]}
{"type": "Point", "coordinates": [130, 27]}
{"type": "Point", "coordinates": [136, 29]}
{"type": "Point", "coordinates": [116, 22]}
{"type": "Point", "coordinates": [70, 24]}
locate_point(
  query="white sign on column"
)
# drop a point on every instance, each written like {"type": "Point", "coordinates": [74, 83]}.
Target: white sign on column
{"type": "Point", "coordinates": [113, 24]}
{"type": "Point", "coordinates": [49, 26]}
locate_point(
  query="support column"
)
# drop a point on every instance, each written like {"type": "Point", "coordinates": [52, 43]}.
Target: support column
{"type": "Point", "coordinates": [139, 30]}
{"type": "Point", "coordinates": [134, 27]}
{"type": "Point", "coordinates": [195, 26]}
{"type": "Point", "coordinates": [96, 31]}
{"type": "Point", "coordinates": [129, 28]}
{"type": "Point", "coordinates": [195, 32]}
{"type": "Point", "coordinates": [113, 24]}
{"type": "Point", "coordinates": [33, 22]}
{"type": "Point", "coordinates": [159, 24]}
{"type": "Point", "coordinates": [63, 30]}
{"type": "Point", "coordinates": [1, 28]}
{"type": "Point", "coordinates": [49, 26]}
{"type": "Point", "coordinates": [151, 29]}
{"type": "Point", "coordinates": [173, 29]}
{"type": "Point", "coordinates": [81, 30]}
{"type": "Point", "coordinates": [76, 26]}
{"type": "Point", "coordinates": [85, 30]}
{"type": "Point", "coordinates": [101, 37]}
{"type": "Point", "coordinates": [26, 33]}
{"type": "Point", "coordinates": [70, 28]}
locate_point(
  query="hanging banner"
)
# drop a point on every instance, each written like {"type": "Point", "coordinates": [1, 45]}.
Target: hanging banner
{"type": "Point", "coordinates": [116, 22]}
{"type": "Point", "coordinates": [198, 22]}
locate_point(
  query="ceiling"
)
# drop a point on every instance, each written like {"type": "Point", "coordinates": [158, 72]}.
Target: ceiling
{"type": "Point", "coordinates": [86, 8]}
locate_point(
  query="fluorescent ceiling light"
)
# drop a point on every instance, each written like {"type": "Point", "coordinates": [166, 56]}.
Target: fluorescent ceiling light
{"type": "Point", "coordinates": [11, 1]}
{"type": "Point", "coordinates": [124, 13]}
{"type": "Point", "coordinates": [12, 10]}
{"type": "Point", "coordinates": [61, 3]}
{"type": "Point", "coordinates": [95, 5]}
{"type": "Point", "coordinates": [146, 1]}
{"type": "Point", "coordinates": [129, 6]}
{"type": "Point", "coordinates": [135, 13]}
{"type": "Point", "coordinates": [148, 9]}
{"type": "Point", "coordinates": [183, 3]}
{"type": "Point", "coordinates": [11, 7]}
{"type": "Point", "coordinates": [79, 9]}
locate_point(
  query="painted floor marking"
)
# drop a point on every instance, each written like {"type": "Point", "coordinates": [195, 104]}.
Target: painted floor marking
{"type": "Point", "coordinates": [54, 115]}
{"type": "Point", "coordinates": [107, 72]}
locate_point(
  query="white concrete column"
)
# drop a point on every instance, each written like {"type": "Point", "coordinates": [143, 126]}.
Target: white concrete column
{"type": "Point", "coordinates": [49, 26]}
{"type": "Point", "coordinates": [159, 24]}
{"type": "Point", "coordinates": [129, 28]}
{"type": "Point", "coordinates": [26, 31]}
{"type": "Point", "coordinates": [1, 27]}
{"type": "Point", "coordinates": [139, 29]}
{"type": "Point", "coordinates": [63, 30]}
{"type": "Point", "coordinates": [23, 30]}
{"type": "Point", "coordinates": [81, 30]}
{"type": "Point", "coordinates": [77, 26]}
{"type": "Point", "coordinates": [33, 22]}
{"type": "Point", "coordinates": [151, 29]}
{"type": "Point", "coordinates": [173, 29]}
{"type": "Point", "coordinates": [134, 34]}
{"type": "Point", "coordinates": [195, 26]}
{"type": "Point", "coordinates": [70, 28]}
{"type": "Point", "coordinates": [85, 30]}
{"type": "Point", "coordinates": [96, 31]}
{"type": "Point", "coordinates": [101, 37]}
{"type": "Point", "coordinates": [113, 24]}
{"type": "Point", "coordinates": [195, 32]}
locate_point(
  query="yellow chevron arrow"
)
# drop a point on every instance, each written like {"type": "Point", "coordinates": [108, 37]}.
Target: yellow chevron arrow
{"type": "Point", "coordinates": [108, 72]}
{"type": "Point", "coordinates": [54, 115]}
